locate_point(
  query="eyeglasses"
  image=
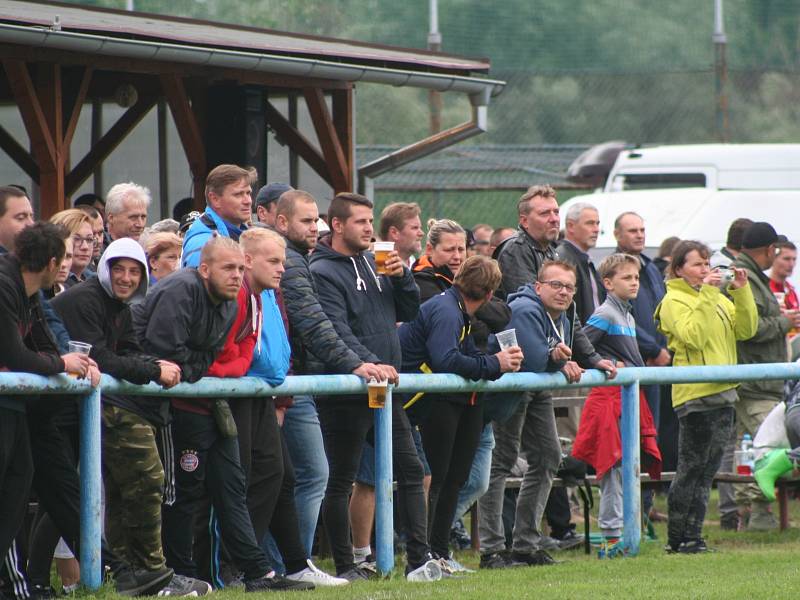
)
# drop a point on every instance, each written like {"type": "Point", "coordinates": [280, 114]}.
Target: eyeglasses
{"type": "Point", "coordinates": [558, 286]}
{"type": "Point", "coordinates": [78, 240]}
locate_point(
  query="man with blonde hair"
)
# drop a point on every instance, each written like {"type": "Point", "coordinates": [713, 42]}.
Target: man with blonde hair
{"type": "Point", "coordinates": [126, 210]}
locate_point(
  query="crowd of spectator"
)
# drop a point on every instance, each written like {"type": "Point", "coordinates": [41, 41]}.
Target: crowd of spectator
{"type": "Point", "coordinates": [208, 493]}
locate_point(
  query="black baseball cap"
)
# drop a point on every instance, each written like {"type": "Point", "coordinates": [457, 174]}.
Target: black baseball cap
{"type": "Point", "coordinates": [271, 192]}
{"type": "Point", "coordinates": [761, 235]}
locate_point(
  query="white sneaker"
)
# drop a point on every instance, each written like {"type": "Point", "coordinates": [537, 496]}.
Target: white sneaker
{"type": "Point", "coordinates": [453, 566]}
{"type": "Point", "coordinates": [185, 586]}
{"type": "Point", "coordinates": [430, 571]}
{"type": "Point", "coordinates": [312, 574]}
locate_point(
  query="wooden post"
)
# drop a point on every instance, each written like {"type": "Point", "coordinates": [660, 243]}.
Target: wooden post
{"type": "Point", "coordinates": [340, 176]}
{"type": "Point", "coordinates": [342, 103]}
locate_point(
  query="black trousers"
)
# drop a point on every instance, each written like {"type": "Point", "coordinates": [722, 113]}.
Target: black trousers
{"type": "Point", "coordinates": [346, 422]}
{"type": "Point", "coordinates": [270, 478]}
{"type": "Point", "coordinates": [207, 465]}
{"type": "Point", "coordinates": [56, 475]}
{"type": "Point", "coordinates": [16, 474]}
{"type": "Point", "coordinates": [450, 434]}
{"type": "Point", "coordinates": [45, 534]}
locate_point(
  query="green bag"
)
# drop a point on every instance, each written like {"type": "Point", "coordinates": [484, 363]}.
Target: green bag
{"type": "Point", "coordinates": [224, 418]}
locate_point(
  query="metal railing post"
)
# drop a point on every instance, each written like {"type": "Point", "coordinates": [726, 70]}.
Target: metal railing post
{"type": "Point", "coordinates": [91, 482]}
{"type": "Point", "coordinates": [631, 505]}
{"type": "Point", "coordinates": [384, 513]}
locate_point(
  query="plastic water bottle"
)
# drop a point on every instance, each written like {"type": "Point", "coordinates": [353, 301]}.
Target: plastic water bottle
{"type": "Point", "coordinates": [747, 459]}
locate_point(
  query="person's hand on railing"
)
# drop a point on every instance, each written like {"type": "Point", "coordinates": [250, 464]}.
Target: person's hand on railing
{"type": "Point", "coordinates": [93, 374]}
{"type": "Point", "coordinates": [561, 352]}
{"type": "Point", "coordinates": [572, 371]}
{"type": "Point", "coordinates": [389, 373]}
{"type": "Point", "coordinates": [369, 371]}
{"type": "Point", "coordinates": [170, 374]}
{"type": "Point", "coordinates": [76, 364]}
{"type": "Point", "coordinates": [608, 367]}
{"type": "Point", "coordinates": [510, 359]}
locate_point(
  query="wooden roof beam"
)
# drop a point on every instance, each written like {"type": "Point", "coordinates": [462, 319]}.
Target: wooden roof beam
{"type": "Point", "coordinates": [340, 175]}
{"type": "Point", "coordinates": [296, 141]}
{"type": "Point", "coordinates": [106, 144]}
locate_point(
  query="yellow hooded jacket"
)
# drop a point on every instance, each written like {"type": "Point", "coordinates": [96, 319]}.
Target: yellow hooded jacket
{"type": "Point", "coordinates": [702, 328]}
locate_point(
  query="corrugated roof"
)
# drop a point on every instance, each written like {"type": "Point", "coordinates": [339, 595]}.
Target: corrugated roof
{"type": "Point", "coordinates": [134, 25]}
{"type": "Point", "coordinates": [479, 166]}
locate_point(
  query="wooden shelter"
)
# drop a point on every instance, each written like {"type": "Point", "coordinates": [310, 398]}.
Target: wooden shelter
{"type": "Point", "coordinates": [216, 80]}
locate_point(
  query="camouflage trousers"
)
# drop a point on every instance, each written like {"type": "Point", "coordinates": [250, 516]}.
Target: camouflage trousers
{"type": "Point", "coordinates": [134, 483]}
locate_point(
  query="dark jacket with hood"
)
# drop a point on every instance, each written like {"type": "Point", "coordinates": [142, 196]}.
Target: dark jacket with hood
{"type": "Point", "coordinates": [312, 333]}
{"type": "Point", "coordinates": [584, 300]}
{"type": "Point", "coordinates": [92, 314]}
{"type": "Point", "coordinates": [520, 259]}
{"type": "Point", "coordinates": [492, 317]}
{"type": "Point", "coordinates": [364, 307]}
{"type": "Point", "coordinates": [651, 291]}
{"type": "Point", "coordinates": [179, 322]}
{"type": "Point", "coordinates": [27, 345]}
{"type": "Point", "coordinates": [438, 341]}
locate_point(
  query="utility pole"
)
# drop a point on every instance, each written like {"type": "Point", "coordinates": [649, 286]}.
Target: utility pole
{"type": "Point", "coordinates": [720, 73]}
{"type": "Point", "coordinates": [435, 44]}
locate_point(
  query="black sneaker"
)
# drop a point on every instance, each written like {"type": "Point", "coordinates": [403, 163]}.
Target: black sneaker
{"type": "Point", "coordinates": [570, 540]}
{"type": "Point", "coordinates": [537, 558]}
{"type": "Point", "coordinates": [275, 583]}
{"type": "Point", "coordinates": [185, 586]}
{"type": "Point", "coordinates": [360, 572]}
{"type": "Point", "coordinates": [693, 547]}
{"type": "Point", "coordinates": [141, 582]}
{"type": "Point", "coordinates": [41, 592]}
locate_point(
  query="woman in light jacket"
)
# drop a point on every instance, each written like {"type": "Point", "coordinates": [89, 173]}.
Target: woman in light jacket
{"type": "Point", "coordinates": [702, 327]}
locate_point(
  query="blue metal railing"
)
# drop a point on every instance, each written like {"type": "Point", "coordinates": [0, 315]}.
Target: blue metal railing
{"type": "Point", "coordinates": [629, 379]}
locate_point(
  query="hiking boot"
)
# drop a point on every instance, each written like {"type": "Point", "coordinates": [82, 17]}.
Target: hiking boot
{"type": "Point", "coordinates": [548, 543]}
{"type": "Point", "coordinates": [494, 560]}
{"type": "Point", "coordinates": [430, 570]}
{"type": "Point", "coordinates": [185, 586]}
{"type": "Point", "coordinates": [537, 558]}
{"type": "Point", "coordinates": [693, 547]}
{"type": "Point", "coordinates": [141, 582]}
{"type": "Point", "coordinates": [769, 468]}
{"type": "Point", "coordinates": [761, 518]}
{"type": "Point", "coordinates": [312, 574]}
{"type": "Point", "coordinates": [729, 521]}
{"type": "Point", "coordinates": [459, 536]}
{"type": "Point", "coordinates": [275, 583]}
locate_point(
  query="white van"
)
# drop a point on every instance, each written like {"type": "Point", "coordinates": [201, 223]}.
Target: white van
{"type": "Point", "coordinates": [713, 166]}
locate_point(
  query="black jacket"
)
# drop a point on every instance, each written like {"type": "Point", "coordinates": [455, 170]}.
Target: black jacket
{"type": "Point", "coordinates": [363, 307]}
{"type": "Point", "coordinates": [492, 317]}
{"type": "Point", "coordinates": [178, 322]}
{"type": "Point", "coordinates": [583, 294]}
{"type": "Point", "coordinates": [27, 345]}
{"type": "Point", "coordinates": [312, 333]}
{"type": "Point", "coordinates": [91, 315]}
{"type": "Point", "coordinates": [520, 258]}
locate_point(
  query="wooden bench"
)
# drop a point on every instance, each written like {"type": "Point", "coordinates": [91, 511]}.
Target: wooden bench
{"type": "Point", "coordinates": [783, 486]}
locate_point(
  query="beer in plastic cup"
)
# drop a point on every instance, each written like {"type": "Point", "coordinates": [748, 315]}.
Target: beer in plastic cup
{"type": "Point", "coordinates": [78, 348]}
{"type": "Point", "coordinates": [376, 393]}
{"type": "Point", "coordinates": [507, 339]}
{"type": "Point", "coordinates": [381, 250]}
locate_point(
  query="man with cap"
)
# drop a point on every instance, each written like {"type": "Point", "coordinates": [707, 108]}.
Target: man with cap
{"type": "Point", "coordinates": [768, 345]}
{"type": "Point", "coordinates": [267, 202]}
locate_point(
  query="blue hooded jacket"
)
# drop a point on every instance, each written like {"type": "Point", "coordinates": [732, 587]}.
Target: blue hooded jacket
{"type": "Point", "coordinates": [271, 356]}
{"type": "Point", "coordinates": [199, 233]}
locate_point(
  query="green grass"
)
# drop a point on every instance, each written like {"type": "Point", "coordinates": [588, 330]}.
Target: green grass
{"type": "Point", "coordinates": [747, 565]}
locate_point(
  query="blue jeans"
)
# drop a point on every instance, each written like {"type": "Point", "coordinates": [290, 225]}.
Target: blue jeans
{"type": "Point", "coordinates": [478, 481]}
{"type": "Point", "coordinates": [307, 451]}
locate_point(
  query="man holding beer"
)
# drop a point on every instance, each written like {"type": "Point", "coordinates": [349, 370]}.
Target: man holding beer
{"type": "Point", "coordinates": [364, 307]}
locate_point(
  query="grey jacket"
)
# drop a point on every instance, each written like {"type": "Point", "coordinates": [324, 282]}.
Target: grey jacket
{"type": "Point", "coordinates": [520, 258]}
{"type": "Point", "coordinates": [768, 345]}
